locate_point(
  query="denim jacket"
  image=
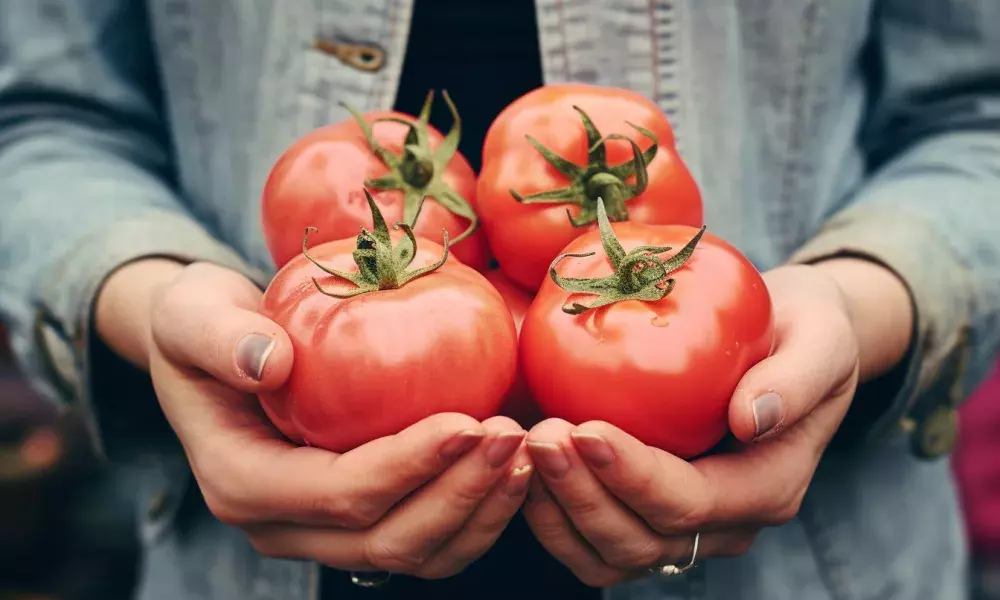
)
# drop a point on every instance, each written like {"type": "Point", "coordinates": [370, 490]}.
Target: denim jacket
{"type": "Point", "coordinates": [814, 128]}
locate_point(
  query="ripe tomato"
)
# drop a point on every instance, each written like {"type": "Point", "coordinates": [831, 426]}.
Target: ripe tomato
{"type": "Point", "coordinates": [414, 334]}
{"type": "Point", "coordinates": [518, 404]}
{"type": "Point", "coordinates": [653, 345]}
{"type": "Point", "coordinates": [318, 181]}
{"type": "Point", "coordinates": [536, 165]}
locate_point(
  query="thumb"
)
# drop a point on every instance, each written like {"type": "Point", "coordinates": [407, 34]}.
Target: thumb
{"type": "Point", "coordinates": [815, 359]}
{"type": "Point", "coordinates": [206, 321]}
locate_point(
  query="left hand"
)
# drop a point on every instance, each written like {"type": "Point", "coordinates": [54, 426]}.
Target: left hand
{"type": "Point", "coordinates": [610, 508]}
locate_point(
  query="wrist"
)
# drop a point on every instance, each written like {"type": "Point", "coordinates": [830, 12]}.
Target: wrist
{"type": "Point", "coordinates": [880, 308]}
{"type": "Point", "coordinates": [123, 306]}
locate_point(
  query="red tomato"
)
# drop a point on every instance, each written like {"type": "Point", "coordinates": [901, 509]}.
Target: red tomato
{"type": "Point", "coordinates": [372, 364]}
{"type": "Point", "coordinates": [526, 234]}
{"type": "Point", "coordinates": [518, 404]}
{"type": "Point", "coordinates": [663, 355]}
{"type": "Point", "coordinates": [318, 182]}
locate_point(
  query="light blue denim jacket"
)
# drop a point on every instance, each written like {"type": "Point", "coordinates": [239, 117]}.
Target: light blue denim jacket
{"type": "Point", "coordinates": [814, 128]}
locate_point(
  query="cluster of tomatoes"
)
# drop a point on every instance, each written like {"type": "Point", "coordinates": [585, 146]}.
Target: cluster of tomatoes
{"type": "Point", "coordinates": [610, 301]}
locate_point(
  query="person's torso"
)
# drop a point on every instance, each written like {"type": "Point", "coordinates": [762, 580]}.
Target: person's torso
{"type": "Point", "coordinates": [766, 98]}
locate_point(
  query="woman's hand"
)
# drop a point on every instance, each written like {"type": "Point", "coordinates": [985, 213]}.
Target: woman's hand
{"type": "Point", "coordinates": [611, 508]}
{"type": "Point", "coordinates": [425, 502]}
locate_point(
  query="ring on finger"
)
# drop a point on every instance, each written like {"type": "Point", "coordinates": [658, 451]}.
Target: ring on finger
{"type": "Point", "coordinates": [673, 570]}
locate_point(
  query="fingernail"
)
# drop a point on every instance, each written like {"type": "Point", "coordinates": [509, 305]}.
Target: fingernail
{"type": "Point", "coordinates": [503, 447]}
{"type": "Point", "coordinates": [766, 413]}
{"type": "Point", "coordinates": [550, 458]}
{"type": "Point", "coordinates": [461, 443]}
{"type": "Point", "coordinates": [252, 352]}
{"type": "Point", "coordinates": [517, 482]}
{"type": "Point", "coordinates": [594, 449]}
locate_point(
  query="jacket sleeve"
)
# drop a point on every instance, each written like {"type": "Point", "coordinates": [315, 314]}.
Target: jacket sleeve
{"type": "Point", "coordinates": [85, 187]}
{"type": "Point", "coordinates": [930, 208]}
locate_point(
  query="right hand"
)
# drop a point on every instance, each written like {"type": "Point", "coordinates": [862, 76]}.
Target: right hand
{"type": "Point", "coordinates": [424, 502]}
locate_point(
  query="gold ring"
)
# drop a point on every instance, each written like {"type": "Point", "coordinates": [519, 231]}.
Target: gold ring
{"type": "Point", "coordinates": [674, 570]}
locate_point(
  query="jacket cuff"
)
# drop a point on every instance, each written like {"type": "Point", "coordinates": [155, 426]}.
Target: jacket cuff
{"type": "Point", "coordinates": [926, 388]}
{"type": "Point", "coordinates": [123, 416]}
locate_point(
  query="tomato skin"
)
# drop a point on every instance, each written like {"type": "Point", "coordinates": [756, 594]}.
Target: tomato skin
{"type": "Point", "coordinates": [662, 371]}
{"type": "Point", "coordinates": [319, 180]}
{"type": "Point", "coordinates": [526, 237]}
{"type": "Point", "coordinates": [518, 403]}
{"type": "Point", "coordinates": [371, 365]}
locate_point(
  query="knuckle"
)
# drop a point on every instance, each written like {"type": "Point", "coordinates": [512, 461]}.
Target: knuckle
{"type": "Point", "coordinates": [785, 511]}
{"type": "Point", "coordinates": [492, 526]}
{"type": "Point", "coordinates": [543, 522]}
{"type": "Point", "coordinates": [599, 578]}
{"type": "Point", "coordinates": [164, 309]}
{"type": "Point", "coordinates": [641, 486]}
{"type": "Point", "coordinates": [636, 554]}
{"type": "Point", "coordinates": [347, 512]}
{"type": "Point", "coordinates": [224, 508]}
{"type": "Point", "coordinates": [228, 490]}
{"type": "Point", "coordinates": [738, 547]}
{"type": "Point", "coordinates": [440, 570]}
{"type": "Point", "coordinates": [387, 555]}
{"type": "Point", "coordinates": [692, 519]}
{"type": "Point", "coordinates": [467, 497]}
{"type": "Point", "coordinates": [580, 507]}
{"type": "Point", "coordinates": [264, 546]}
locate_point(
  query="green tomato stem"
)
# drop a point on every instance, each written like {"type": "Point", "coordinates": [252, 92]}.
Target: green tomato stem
{"type": "Point", "coordinates": [597, 180]}
{"type": "Point", "coordinates": [639, 274]}
{"type": "Point", "coordinates": [380, 265]}
{"type": "Point", "coordinates": [418, 172]}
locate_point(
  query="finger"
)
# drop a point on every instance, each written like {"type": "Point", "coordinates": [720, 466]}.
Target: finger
{"type": "Point", "coordinates": [618, 535]}
{"type": "Point", "coordinates": [405, 539]}
{"type": "Point", "coordinates": [486, 525]}
{"type": "Point", "coordinates": [759, 486]}
{"type": "Point", "coordinates": [338, 548]}
{"type": "Point", "coordinates": [556, 533]}
{"type": "Point", "coordinates": [621, 538]}
{"type": "Point", "coordinates": [207, 320]}
{"type": "Point", "coordinates": [815, 357]}
{"type": "Point", "coordinates": [261, 481]}
{"type": "Point", "coordinates": [682, 550]}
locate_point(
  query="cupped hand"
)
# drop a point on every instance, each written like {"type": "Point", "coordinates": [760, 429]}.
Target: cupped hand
{"type": "Point", "coordinates": [611, 508]}
{"type": "Point", "coordinates": [425, 502]}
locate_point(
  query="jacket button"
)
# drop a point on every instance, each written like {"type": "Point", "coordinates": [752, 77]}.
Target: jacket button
{"type": "Point", "coordinates": [936, 435]}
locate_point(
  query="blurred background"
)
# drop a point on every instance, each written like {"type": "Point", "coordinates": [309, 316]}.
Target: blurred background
{"type": "Point", "coordinates": [66, 522]}
{"type": "Point", "coordinates": [67, 528]}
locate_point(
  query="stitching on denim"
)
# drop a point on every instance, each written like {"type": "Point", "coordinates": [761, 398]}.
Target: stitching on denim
{"type": "Point", "coordinates": [665, 32]}
{"type": "Point", "coordinates": [655, 49]}
{"type": "Point", "coordinates": [561, 7]}
{"type": "Point", "coordinates": [383, 80]}
{"type": "Point", "coordinates": [793, 159]}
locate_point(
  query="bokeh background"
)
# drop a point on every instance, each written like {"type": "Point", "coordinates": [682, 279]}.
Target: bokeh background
{"type": "Point", "coordinates": [67, 521]}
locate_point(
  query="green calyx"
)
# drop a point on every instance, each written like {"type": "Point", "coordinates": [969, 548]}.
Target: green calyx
{"type": "Point", "coordinates": [598, 179]}
{"type": "Point", "coordinates": [639, 274]}
{"type": "Point", "coordinates": [380, 266]}
{"type": "Point", "coordinates": [418, 171]}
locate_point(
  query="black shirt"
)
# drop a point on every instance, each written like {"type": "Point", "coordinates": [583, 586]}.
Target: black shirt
{"type": "Point", "coordinates": [486, 55]}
